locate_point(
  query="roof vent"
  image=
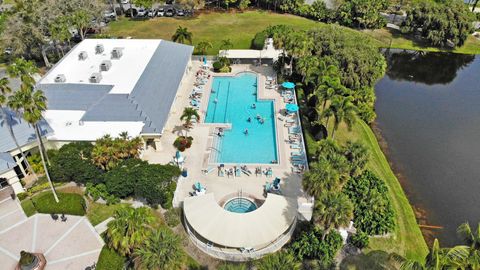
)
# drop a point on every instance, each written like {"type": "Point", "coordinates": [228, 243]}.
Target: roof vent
{"type": "Point", "coordinates": [99, 49]}
{"type": "Point", "coordinates": [95, 77]}
{"type": "Point", "coordinates": [117, 52]}
{"type": "Point", "coordinates": [105, 65]}
{"type": "Point", "coordinates": [80, 123]}
{"type": "Point", "coordinates": [82, 55]}
{"type": "Point", "coordinates": [60, 78]}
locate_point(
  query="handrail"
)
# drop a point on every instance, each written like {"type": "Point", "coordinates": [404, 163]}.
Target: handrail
{"type": "Point", "coordinates": [239, 256]}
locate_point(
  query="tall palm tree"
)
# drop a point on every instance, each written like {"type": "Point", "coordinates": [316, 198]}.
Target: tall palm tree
{"type": "Point", "coordinates": [320, 178]}
{"type": "Point", "coordinates": [471, 238]}
{"type": "Point", "coordinates": [332, 210]}
{"type": "Point", "coordinates": [23, 69]}
{"type": "Point", "coordinates": [161, 250]}
{"type": "Point", "coordinates": [4, 91]}
{"type": "Point", "coordinates": [32, 103]}
{"type": "Point", "coordinates": [203, 46]}
{"type": "Point", "coordinates": [342, 110]}
{"type": "Point", "coordinates": [279, 261]}
{"type": "Point", "coordinates": [129, 229]}
{"type": "Point", "coordinates": [307, 66]}
{"type": "Point", "coordinates": [182, 35]}
{"type": "Point", "coordinates": [187, 116]}
{"type": "Point", "coordinates": [357, 155]}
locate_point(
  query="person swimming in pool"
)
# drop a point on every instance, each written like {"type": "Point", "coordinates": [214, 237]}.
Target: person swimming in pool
{"type": "Point", "coordinates": [249, 119]}
{"type": "Point", "coordinates": [254, 106]}
{"type": "Point", "coordinates": [246, 131]}
{"type": "Point", "coordinates": [215, 101]}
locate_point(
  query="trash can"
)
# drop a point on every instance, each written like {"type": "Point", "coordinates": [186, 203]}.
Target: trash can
{"type": "Point", "coordinates": [184, 173]}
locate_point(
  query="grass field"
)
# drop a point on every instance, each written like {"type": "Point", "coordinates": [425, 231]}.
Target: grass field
{"type": "Point", "coordinates": [240, 28]}
{"type": "Point", "coordinates": [98, 212]}
{"type": "Point", "coordinates": [407, 240]}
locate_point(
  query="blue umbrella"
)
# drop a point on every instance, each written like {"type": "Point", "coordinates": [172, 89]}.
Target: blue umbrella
{"type": "Point", "coordinates": [288, 85]}
{"type": "Point", "coordinates": [291, 107]}
{"type": "Point", "coordinates": [178, 155]}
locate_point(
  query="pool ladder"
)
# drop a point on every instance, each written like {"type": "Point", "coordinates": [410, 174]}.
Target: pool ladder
{"type": "Point", "coordinates": [239, 198]}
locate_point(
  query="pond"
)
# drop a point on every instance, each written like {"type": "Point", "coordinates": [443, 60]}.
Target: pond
{"type": "Point", "coordinates": [428, 108]}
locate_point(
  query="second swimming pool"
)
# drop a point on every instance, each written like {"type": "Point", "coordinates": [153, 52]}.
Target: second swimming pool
{"type": "Point", "coordinates": [252, 138]}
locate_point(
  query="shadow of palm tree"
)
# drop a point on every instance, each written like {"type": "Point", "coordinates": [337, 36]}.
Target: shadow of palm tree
{"type": "Point", "coordinates": [179, 130]}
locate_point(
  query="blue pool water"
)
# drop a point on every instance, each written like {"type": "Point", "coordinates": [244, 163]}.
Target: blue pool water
{"type": "Point", "coordinates": [231, 102]}
{"type": "Point", "coordinates": [240, 205]}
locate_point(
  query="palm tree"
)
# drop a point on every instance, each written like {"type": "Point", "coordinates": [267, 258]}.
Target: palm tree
{"type": "Point", "coordinates": [32, 103]}
{"type": "Point", "coordinates": [129, 229]}
{"type": "Point", "coordinates": [357, 155]}
{"type": "Point", "coordinates": [231, 266]}
{"type": "Point", "coordinates": [279, 261]}
{"type": "Point", "coordinates": [182, 35]}
{"type": "Point", "coordinates": [4, 91]}
{"type": "Point", "coordinates": [333, 209]}
{"type": "Point", "coordinates": [187, 116]}
{"type": "Point", "coordinates": [307, 66]}
{"type": "Point", "coordinates": [23, 69]}
{"type": "Point", "coordinates": [471, 238]}
{"type": "Point", "coordinates": [342, 110]}
{"type": "Point", "coordinates": [203, 46]}
{"type": "Point", "coordinates": [320, 178]}
{"type": "Point", "coordinates": [161, 250]}
{"type": "Point", "coordinates": [226, 44]}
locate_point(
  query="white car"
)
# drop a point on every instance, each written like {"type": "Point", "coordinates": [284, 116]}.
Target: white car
{"type": "Point", "coordinates": [141, 12]}
{"type": "Point", "coordinates": [161, 12]}
{"type": "Point", "coordinates": [110, 14]}
{"type": "Point", "coordinates": [125, 2]}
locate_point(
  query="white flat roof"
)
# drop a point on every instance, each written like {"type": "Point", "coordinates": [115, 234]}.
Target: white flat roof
{"type": "Point", "coordinates": [255, 229]}
{"type": "Point", "coordinates": [124, 72]}
{"type": "Point", "coordinates": [251, 54]}
{"type": "Point", "coordinates": [68, 127]}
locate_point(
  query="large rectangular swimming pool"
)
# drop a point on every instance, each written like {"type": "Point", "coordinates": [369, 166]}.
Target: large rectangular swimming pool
{"type": "Point", "coordinates": [232, 101]}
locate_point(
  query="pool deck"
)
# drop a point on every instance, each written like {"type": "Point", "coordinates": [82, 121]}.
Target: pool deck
{"type": "Point", "coordinates": [197, 157]}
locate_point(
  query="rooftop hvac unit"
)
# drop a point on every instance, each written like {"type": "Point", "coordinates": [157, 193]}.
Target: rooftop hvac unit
{"type": "Point", "coordinates": [105, 65]}
{"type": "Point", "coordinates": [117, 53]}
{"type": "Point", "coordinates": [60, 78]}
{"type": "Point", "coordinates": [82, 55]}
{"type": "Point", "coordinates": [95, 78]}
{"type": "Point", "coordinates": [99, 49]}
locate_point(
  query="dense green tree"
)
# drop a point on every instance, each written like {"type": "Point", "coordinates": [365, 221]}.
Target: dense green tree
{"type": "Point", "coordinates": [73, 162]}
{"type": "Point", "coordinates": [357, 155]}
{"type": "Point", "coordinates": [182, 35]}
{"type": "Point", "coordinates": [162, 250]}
{"type": "Point", "coordinates": [122, 180]}
{"type": "Point", "coordinates": [279, 261]}
{"type": "Point", "coordinates": [313, 244]}
{"type": "Point", "coordinates": [321, 178]}
{"type": "Point", "coordinates": [362, 13]}
{"type": "Point", "coordinates": [129, 229]}
{"type": "Point", "coordinates": [373, 213]}
{"type": "Point", "coordinates": [442, 24]}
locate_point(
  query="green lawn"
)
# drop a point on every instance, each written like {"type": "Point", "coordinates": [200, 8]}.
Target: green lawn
{"type": "Point", "coordinates": [240, 28]}
{"type": "Point", "coordinates": [110, 260]}
{"type": "Point", "coordinates": [407, 239]}
{"type": "Point", "coordinates": [70, 203]}
{"type": "Point", "coordinates": [98, 212]}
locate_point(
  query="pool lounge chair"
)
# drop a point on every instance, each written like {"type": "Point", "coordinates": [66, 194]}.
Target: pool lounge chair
{"type": "Point", "coordinates": [208, 170]}
{"type": "Point", "coordinates": [289, 120]}
{"type": "Point", "coordinates": [246, 171]}
{"type": "Point", "coordinates": [298, 162]}
{"type": "Point", "coordinates": [238, 172]}
{"type": "Point", "coordinates": [295, 146]}
{"type": "Point", "coordinates": [294, 130]}
{"type": "Point", "coordinates": [297, 153]}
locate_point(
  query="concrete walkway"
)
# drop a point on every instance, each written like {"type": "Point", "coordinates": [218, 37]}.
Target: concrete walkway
{"type": "Point", "coordinates": [73, 244]}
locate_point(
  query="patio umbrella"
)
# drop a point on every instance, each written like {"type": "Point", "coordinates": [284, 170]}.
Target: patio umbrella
{"type": "Point", "coordinates": [291, 107]}
{"type": "Point", "coordinates": [288, 85]}
{"type": "Point", "coordinates": [178, 157]}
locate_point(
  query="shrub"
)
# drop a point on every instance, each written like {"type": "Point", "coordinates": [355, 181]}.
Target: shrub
{"type": "Point", "coordinates": [225, 69]}
{"type": "Point", "coordinates": [70, 203]}
{"type": "Point", "coordinates": [373, 212]}
{"type": "Point", "coordinates": [28, 207]}
{"type": "Point", "coordinates": [182, 143]}
{"type": "Point", "coordinates": [36, 162]}
{"type": "Point", "coordinates": [22, 196]}
{"type": "Point", "coordinates": [72, 162]}
{"type": "Point", "coordinates": [110, 260]}
{"type": "Point", "coordinates": [359, 240]}
{"type": "Point", "coordinates": [309, 245]}
{"type": "Point", "coordinates": [154, 182]}
{"type": "Point", "coordinates": [172, 217]}
{"type": "Point", "coordinates": [100, 191]}
{"type": "Point", "coordinates": [259, 40]}
{"type": "Point", "coordinates": [217, 65]}
{"type": "Point", "coordinates": [108, 152]}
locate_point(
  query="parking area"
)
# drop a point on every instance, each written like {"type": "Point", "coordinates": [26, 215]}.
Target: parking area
{"type": "Point", "coordinates": [72, 244]}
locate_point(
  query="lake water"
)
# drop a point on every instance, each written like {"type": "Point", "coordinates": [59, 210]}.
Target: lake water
{"type": "Point", "coordinates": [428, 108]}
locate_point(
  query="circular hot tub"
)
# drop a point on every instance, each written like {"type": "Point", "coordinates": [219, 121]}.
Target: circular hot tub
{"type": "Point", "coordinates": [240, 205]}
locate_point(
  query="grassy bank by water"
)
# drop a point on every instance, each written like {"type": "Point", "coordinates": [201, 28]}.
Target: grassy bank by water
{"type": "Point", "coordinates": [241, 27]}
{"type": "Point", "coordinates": [407, 238]}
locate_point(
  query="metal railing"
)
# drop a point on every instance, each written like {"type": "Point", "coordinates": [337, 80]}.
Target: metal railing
{"type": "Point", "coordinates": [230, 254]}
